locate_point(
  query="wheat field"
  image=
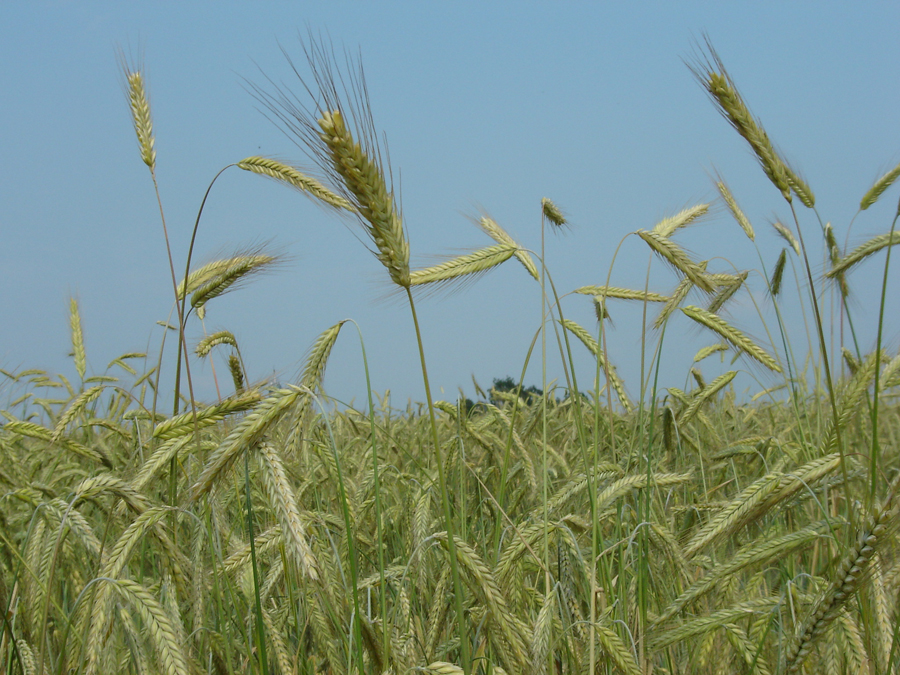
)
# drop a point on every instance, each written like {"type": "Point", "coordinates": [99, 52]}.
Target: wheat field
{"type": "Point", "coordinates": [590, 525]}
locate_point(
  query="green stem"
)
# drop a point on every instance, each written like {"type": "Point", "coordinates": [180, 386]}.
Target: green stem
{"type": "Point", "coordinates": [874, 454]}
{"type": "Point", "coordinates": [445, 499]}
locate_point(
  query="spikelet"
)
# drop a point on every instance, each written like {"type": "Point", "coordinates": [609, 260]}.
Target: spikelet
{"type": "Point", "coordinates": [284, 173]}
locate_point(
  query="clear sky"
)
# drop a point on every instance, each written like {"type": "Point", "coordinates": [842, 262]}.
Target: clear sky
{"type": "Point", "coordinates": [485, 106]}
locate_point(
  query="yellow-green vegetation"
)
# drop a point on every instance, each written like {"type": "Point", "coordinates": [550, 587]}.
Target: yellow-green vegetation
{"type": "Point", "coordinates": [572, 529]}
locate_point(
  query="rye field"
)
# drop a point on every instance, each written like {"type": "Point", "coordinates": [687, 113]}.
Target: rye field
{"type": "Point", "coordinates": [586, 525]}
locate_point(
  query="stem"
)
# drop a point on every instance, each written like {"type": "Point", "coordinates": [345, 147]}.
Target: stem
{"type": "Point", "coordinates": [445, 499]}
{"type": "Point", "coordinates": [873, 458]}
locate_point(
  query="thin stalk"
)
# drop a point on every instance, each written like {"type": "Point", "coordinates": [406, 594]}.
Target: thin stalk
{"type": "Point", "coordinates": [260, 629]}
{"type": "Point", "coordinates": [382, 589]}
{"type": "Point", "coordinates": [445, 500]}
{"type": "Point", "coordinates": [875, 452]}
{"type": "Point", "coordinates": [825, 360]}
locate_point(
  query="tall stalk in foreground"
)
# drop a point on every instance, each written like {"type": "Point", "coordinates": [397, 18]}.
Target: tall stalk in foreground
{"type": "Point", "coordinates": [339, 135]}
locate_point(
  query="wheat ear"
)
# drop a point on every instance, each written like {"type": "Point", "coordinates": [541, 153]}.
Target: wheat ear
{"type": "Point", "coordinates": [615, 648]}
{"type": "Point", "coordinates": [81, 401]}
{"type": "Point", "coordinates": [588, 340]}
{"type": "Point", "coordinates": [785, 233]}
{"type": "Point", "coordinates": [718, 83]}
{"type": "Point", "coordinates": [245, 435]}
{"type": "Point", "coordinates": [673, 254]}
{"type": "Point", "coordinates": [282, 496]}
{"type": "Point", "coordinates": [498, 234]}
{"type": "Point", "coordinates": [140, 115]}
{"type": "Point", "coordinates": [862, 252]}
{"type": "Point", "coordinates": [705, 394]}
{"type": "Point", "coordinates": [622, 293]}
{"type": "Point", "coordinates": [752, 554]}
{"type": "Point", "coordinates": [472, 263]}
{"type": "Point", "coordinates": [668, 226]}
{"type": "Point", "coordinates": [77, 338]}
{"type": "Point", "coordinates": [181, 425]}
{"type": "Point", "coordinates": [159, 624]}
{"type": "Point", "coordinates": [732, 335]}
{"type": "Point", "coordinates": [879, 187]}
{"type": "Point", "coordinates": [853, 568]}
{"type": "Point", "coordinates": [735, 210]}
{"type": "Point", "coordinates": [365, 182]}
{"type": "Point", "coordinates": [778, 274]}
{"type": "Point", "coordinates": [238, 269]}
{"type": "Point", "coordinates": [33, 430]}
{"type": "Point", "coordinates": [483, 583]}
{"type": "Point", "coordinates": [222, 337]}
{"type": "Point", "coordinates": [678, 295]}
{"type": "Point", "coordinates": [552, 213]}
{"type": "Point", "coordinates": [284, 173]}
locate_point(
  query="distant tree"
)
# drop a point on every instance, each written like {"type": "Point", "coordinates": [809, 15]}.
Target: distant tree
{"type": "Point", "coordinates": [507, 384]}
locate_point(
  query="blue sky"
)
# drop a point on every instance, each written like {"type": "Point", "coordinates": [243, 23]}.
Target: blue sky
{"type": "Point", "coordinates": [485, 106]}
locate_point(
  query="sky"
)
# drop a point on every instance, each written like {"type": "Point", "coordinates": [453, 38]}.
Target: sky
{"type": "Point", "coordinates": [485, 107]}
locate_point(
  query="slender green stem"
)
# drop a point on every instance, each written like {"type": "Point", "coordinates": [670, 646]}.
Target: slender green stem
{"type": "Point", "coordinates": [445, 500]}
{"type": "Point", "coordinates": [875, 451]}
{"type": "Point", "coordinates": [260, 628]}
